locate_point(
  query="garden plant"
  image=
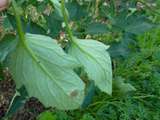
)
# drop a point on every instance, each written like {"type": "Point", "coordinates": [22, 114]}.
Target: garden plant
{"type": "Point", "coordinates": [80, 59]}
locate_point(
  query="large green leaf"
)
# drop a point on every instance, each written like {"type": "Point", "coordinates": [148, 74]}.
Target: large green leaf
{"type": "Point", "coordinates": [94, 57]}
{"type": "Point", "coordinates": [47, 73]}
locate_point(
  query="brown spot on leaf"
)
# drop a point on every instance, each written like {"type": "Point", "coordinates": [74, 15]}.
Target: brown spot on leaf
{"type": "Point", "coordinates": [74, 93]}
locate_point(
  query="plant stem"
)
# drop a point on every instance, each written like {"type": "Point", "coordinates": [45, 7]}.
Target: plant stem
{"type": "Point", "coordinates": [97, 8]}
{"type": "Point", "coordinates": [18, 23]}
{"type": "Point", "coordinates": [65, 16]}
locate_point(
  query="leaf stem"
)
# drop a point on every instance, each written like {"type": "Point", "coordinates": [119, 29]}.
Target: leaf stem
{"type": "Point", "coordinates": [97, 8]}
{"type": "Point", "coordinates": [65, 16]}
{"type": "Point", "coordinates": [18, 23]}
{"type": "Point", "coordinates": [22, 39]}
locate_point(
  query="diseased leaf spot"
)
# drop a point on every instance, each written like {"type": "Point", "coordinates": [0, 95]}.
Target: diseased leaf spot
{"type": "Point", "coordinates": [74, 93]}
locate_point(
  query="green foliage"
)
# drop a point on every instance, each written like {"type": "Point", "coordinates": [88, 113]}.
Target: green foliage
{"type": "Point", "coordinates": [46, 116]}
{"type": "Point", "coordinates": [95, 60]}
{"type": "Point", "coordinates": [17, 101]}
{"type": "Point", "coordinates": [47, 72]}
{"type": "Point", "coordinates": [122, 87]}
{"type": "Point", "coordinates": [8, 43]}
{"type": "Point", "coordinates": [96, 28]}
{"type": "Point", "coordinates": [1, 74]}
{"type": "Point", "coordinates": [67, 77]}
{"type": "Point", "coordinates": [87, 117]}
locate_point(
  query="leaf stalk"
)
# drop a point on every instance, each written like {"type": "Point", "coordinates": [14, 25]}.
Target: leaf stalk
{"type": "Point", "coordinates": [65, 17]}
{"type": "Point", "coordinates": [18, 22]}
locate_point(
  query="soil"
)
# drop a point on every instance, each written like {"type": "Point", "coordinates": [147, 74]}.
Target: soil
{"type": "Point", "coordinates": [29, 111]}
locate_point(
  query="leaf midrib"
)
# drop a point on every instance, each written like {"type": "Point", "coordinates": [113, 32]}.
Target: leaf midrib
{"type": "Point", "coordinates": [81, 49]}
{"type": "Point", "coordinates": [42, 67]}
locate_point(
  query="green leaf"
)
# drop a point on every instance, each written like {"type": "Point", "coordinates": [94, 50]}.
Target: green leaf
{"type": "Point", "coordinates": [7, 25]}
{"type": "Point", "coordinates": [47, 73]}
{"type": "Point", "coordinates": [57, 6]}
{"type": "Point", "coordinates": [54, 25]}
{"type": "Point", "coordinates": [123, 87]}
{"type": "Point", "coordinates": [1, 72]}
{"type": "Point", "coordinates": [95, 59]}
{"type": "Point", "coordinates": [96, 28]}
{"type": "Point", "coordinates": [135, 24]}
{"type": "Point", "coordinates": [62, 115]}
{"type": "Point", "coordinates": [121, 48]}
{"type": "Point", "coordinates": [18, 100]}
{"type": "Point", "coordinates": [7, 44]}
{"type": "Point", "coordinates": [47, 116]}
{"type": "Point", "coordinates": [76, 11]}
{"type": "Point", "coordinates": [139, 28]}
{"type": "Point", "coordinates": [90, 92]}
{"type": "Point", "coordinates": [87, 117]}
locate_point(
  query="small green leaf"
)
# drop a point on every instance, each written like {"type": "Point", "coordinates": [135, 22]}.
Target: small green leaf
{"type": "Point", "coordinates": [47, 116]}
{"type": "Point", "coordinates": [139, 28]}
{"type": "Point", "coordinates": [47, 73]}
{"type": "Point", "coordinates": [62, 115]}
{"type": "Point", "coordinates": [123, 87]}
{"type": "Point", "coordinates": [57, 6]}
{"type": "Point", "coordinates": [17, 101]}
{"type": "Point", "coordinates": [87, 117]}
{"type": "Point", "coordinates": [95, 59]}
{"type": "Point", "coordinates": [1, 72]}
{"type": "Point", "coordinates": [7, 44]}
{"type": "Point", "coordinates": [90, 92]}
{"type": "Point", "coordinates": [76, 11]}
{"type": "Point", "coordinates": [54, 25]}
{"type": "Point", "coordinates": [96, 28]}
{"type": "Point", "coordinates": [7, 25]}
